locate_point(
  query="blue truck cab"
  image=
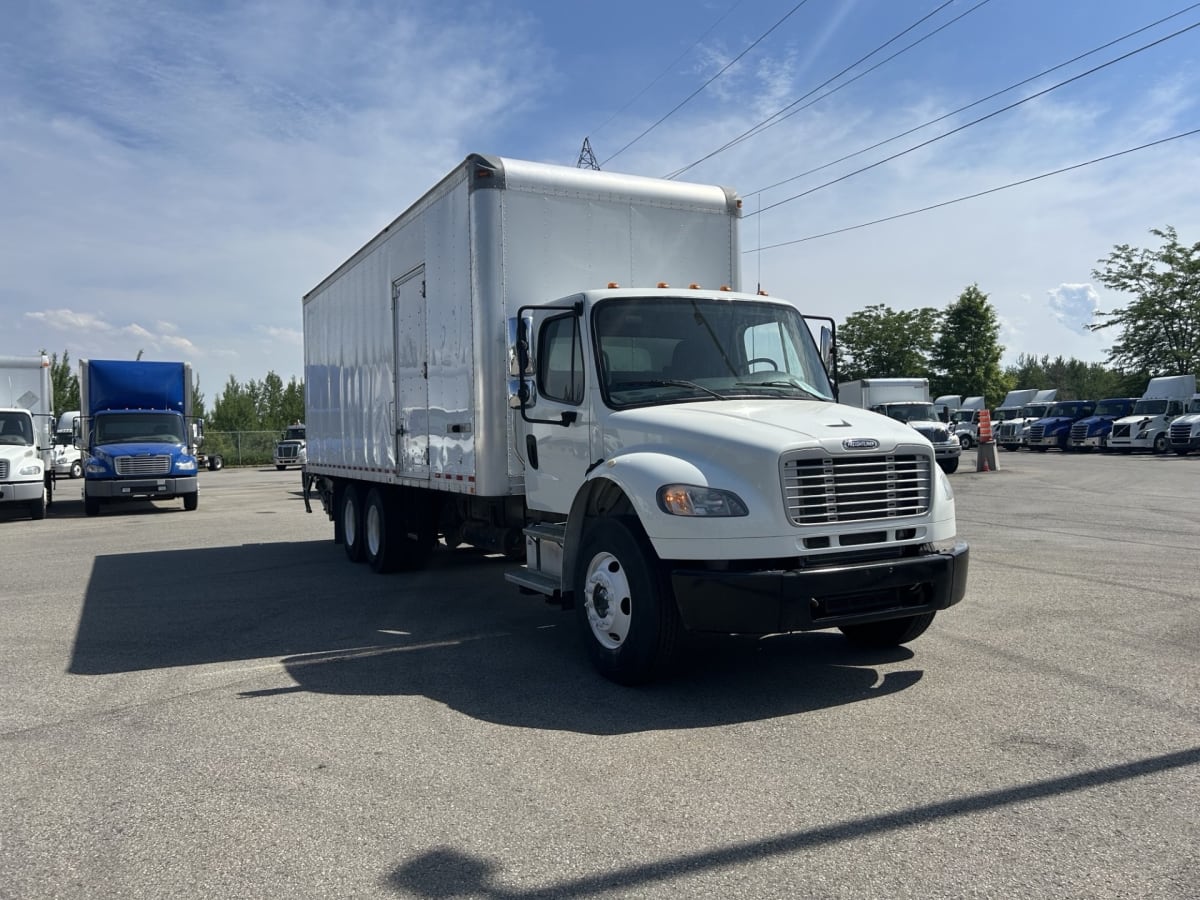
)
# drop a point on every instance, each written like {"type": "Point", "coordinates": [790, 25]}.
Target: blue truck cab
{"type": "Point", "coordinates": [137, 432]}
{"type": "Point", "coordinates": [1092, 432]}
{"type": "Point", "coordinates": [1054, 430]}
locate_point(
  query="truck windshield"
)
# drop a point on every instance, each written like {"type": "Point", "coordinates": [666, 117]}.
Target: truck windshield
{"type": "Point", "coordinates": [1035, 410]}
{"type": "Point", "coordinates": [149, 428]}
{"type": "Point", "coordinates": [908, 412]}
{"type": "Point", "coordinates": [655, 350]}
{"type": "Point", "coordinates": [1111, 409]}
{"type": "Point", "coordinates": [1150, 407]}
{"type": "Point", "coordinates": [16, 428]}
{"type": "Point", "coordinates": [64, 438]}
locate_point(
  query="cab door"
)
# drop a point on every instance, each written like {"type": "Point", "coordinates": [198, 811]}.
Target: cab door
{"type": "Point", "coordinates": [557, 414]}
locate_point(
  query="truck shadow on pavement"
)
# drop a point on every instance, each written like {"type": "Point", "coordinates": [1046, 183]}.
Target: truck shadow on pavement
{"type": "Point", "coordinates": [456, 633]}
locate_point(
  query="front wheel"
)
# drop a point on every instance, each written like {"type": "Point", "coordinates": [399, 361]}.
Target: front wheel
{"type": "Point", "coordinates": [216, 463]}
{"type": "Point", "coordinates": [624, 606]}
{"type": "Point", "coordinates": [949, 466]}
{"type": "Point", "coordinates": [890, 633]}
{"type": "Point", "coordinates": [191, 501]}
{"type": "Point", "coordinates": [76, 469]}
{"type": "Point", "coordinates": [1160, 443]}
{"type": "Point", "coordinates": [37, 508]}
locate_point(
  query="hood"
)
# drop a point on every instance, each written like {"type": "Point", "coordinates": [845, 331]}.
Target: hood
{"type": "Point", "coordinates": [780, 425]}
{"type": "Point", "coordinates": [138, 449]}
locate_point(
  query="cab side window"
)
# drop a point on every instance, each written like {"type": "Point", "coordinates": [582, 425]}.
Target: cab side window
{"type": "Point", "coordinates": [560, 360]}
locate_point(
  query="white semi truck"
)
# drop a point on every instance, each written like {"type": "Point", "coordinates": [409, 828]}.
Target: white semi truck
{"type": "Point", "coordinates": [906, 400]}
{"type": "Point", "coordinates": [26, 429]}
{"type": "Point", "coordinates": [67, 458]}
{"type": "Point", "coordinates": [1013, 432]}
{"type": "Point", "coordinates": [1148, 426]}
{"type": "Point", "coordinates": [1185, 431]}
{"type": "Point", "coordinates": [291, 448]}
{"type": "Point", "coordinates": [557, 364]}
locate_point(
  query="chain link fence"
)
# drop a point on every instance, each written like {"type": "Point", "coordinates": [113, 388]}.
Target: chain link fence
{"type": "Point", "coordinates": [242, 448]}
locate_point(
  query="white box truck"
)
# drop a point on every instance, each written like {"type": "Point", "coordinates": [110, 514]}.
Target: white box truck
{"type": "Point", "coordinates": [26, 433]}
{"type": "Point", "coordinates": [556, 363]}
{"type": "Point", "coordinates": [1148, 426]}
{"type": "Point", "coordinates": [906, 400]}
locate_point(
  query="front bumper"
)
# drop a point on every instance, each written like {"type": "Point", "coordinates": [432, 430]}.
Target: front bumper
{"type": "Point", "coordinates": [164, 488]}
{"type": "Point", "coordinates": [21, 491]}
{"type": "Point", "coordinates": [777, 601]}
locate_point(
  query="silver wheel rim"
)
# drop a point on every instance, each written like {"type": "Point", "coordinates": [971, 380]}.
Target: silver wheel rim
{"type": "Point", "coordinates": [607, 600]}
{"type": "Point", "coordinates": [374, 526]}
{"type": "Point", "coordinates": [350, 522]}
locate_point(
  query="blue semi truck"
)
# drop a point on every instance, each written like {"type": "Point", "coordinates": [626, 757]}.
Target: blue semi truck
{"type": "Point", "coordinates": [137, 432]}
{"type": "Point", "coordinates": [1092, 432]}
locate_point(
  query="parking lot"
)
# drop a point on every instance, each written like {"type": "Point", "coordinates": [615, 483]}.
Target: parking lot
{"type": "Point", "coordinates": [216, 704]}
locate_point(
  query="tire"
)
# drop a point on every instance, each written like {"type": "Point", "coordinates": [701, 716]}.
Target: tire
{"type": "Point", "coordinates": [379, 522]}
{"type": "Point", "coordinates": [889, 633]}
{"type": "Point", "coordinates": [76, 469]}
{"type": "Point", "coordinates": [351, 518]}
{"type": "Point", "coordinates": [1160, 443]}
{"type": "Point", "coordinates": [91, 506]}
{"type": "Point", "coordinates": [624, 607]}
{"type": "Point", "coordinates": [216, 463]}
{"type": "Point", "coordinates": [191, 501]}
{"type": "Point", "coordinates": [37, 508]}
{"type": "Point", "coordinates": [949, 466]}
{"type": "Point", "coordinates": [1012, 448]}
{"type": "Point", "coordinates": [964, 442]}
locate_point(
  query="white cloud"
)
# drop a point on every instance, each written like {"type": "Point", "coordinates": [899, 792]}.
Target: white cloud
{"type": "Point", "coordinates": [1074, 305]}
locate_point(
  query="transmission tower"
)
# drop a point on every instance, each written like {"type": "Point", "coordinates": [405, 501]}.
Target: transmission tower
{"type": "Point", "coordinates": [587, 159]}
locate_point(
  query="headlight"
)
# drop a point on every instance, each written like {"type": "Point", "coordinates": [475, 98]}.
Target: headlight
{"type": "Point", "coordinates": [185, 464]}
{"type": "Point", "coordinates": [96, 466]}
{"type": "Point", "coordinates": [691, 500]}
{"type": "Point", "coordinates": [30, 470]}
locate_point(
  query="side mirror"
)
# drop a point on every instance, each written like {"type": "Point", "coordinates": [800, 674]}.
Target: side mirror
{"type": "Point", "coordinates": [520, 346]}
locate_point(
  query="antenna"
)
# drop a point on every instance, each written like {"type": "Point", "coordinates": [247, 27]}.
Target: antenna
{"type": "Point", "coordinates": [587, 159]}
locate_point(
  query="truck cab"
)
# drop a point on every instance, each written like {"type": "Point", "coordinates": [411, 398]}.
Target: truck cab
{"type": "Point", "coordinates": [1013, 432]}
{"type": "Point", "coordinates": [1092, 432]}
{"type": "Point", "coordinates": [23, 461]}
{"type": "Point", "coordinates": [67, 458]}
{"type": "Point", "coordinates": [1054, 429]}
{"type": "Point", "coordinates": [695, 439]}
{"type": "Point", "coordinates": [1185, 431]}
{"type": "Point", "coordinates": [923, 417]}
{"type": "Point", "coordinates": [292, 448]}
{"type": "Point", "coordinates": [1148, 426]}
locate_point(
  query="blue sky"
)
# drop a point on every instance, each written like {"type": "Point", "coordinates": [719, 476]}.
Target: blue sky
{"type": "Point", "coordinates": [175, 176]}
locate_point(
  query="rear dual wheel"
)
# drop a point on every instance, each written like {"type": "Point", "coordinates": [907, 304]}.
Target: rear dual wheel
{"type": "Point", "coordinates": [390, 528]}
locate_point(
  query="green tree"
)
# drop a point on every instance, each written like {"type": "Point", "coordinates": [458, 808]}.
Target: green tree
{"type": "Point", "coordinates": [293, 402]}
{"type": "Point", "coordinates": [1073, 378]}
{"type": "Point", "coordinates": [880, 342]}
{"type": "Point", "coordinates": [234, 410]}
{"type": "Point", "coordinates": [66, 383]}
{"type": "Point", "coordinates": [197, 397]}
{"type": "Point", "coordinates": [966, 359]}
{"type": "Point", "coordinates": [1160, 327]}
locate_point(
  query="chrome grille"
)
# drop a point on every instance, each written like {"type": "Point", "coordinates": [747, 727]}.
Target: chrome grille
{"type": "Point", "coordinates": [143, 465]}
{"type": "Point", "coordinates": [3, 468]}
{"type": "Point", "coordinates": [1009, 431]}
{"type": "Point", "coordinates": [1037, 432]}
{"type": "Point", "coordinates": [1120, 431]}
{"type": "Point", "coordinates": [821, 489]}
{"type": "Point", "coordinates": [287, 451]}
{"type": "Point", "coordinates": [1079, 432]}
{"type": "Point", "coordinates": [1181, 433]}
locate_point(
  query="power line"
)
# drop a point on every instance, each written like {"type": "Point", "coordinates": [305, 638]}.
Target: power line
{"type": "Point", "coordinates": [781, 115]}
{"type": "Point", "coordinates": [1003, 187]}
{"type": "Point", "coordinates": [671, 66]}
{"type": "Point", "coordinates": [698, 90]}
{"type": "Point", "coordinates": [971, 105]}
{"type": "Point", "coordinates": [973, 122]}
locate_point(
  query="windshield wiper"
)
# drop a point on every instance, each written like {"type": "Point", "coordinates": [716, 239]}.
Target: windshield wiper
{"type": "Point", "coordinates": [661, 382]}
{"type": "Point", "coordinates": [812, 395]}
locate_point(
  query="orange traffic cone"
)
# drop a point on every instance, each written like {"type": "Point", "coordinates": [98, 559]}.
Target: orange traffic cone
{"type": "Point", "coordinates": [985, 466]}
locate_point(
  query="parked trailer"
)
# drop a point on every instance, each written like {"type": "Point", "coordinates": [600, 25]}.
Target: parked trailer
{"type": "Point", "coordinates": [667, 457]}
{"type": "Point", "coordinates": [26, 428]}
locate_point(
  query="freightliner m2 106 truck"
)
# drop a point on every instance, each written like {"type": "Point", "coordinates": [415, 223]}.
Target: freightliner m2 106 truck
{"type": "Point", "coordinates": [138, 433]}
{"type": "Point", "coordinates": [26, 426]}
{"type": "Point", "coordinates": [559, 361]}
